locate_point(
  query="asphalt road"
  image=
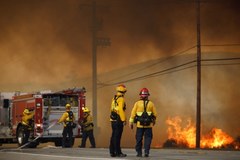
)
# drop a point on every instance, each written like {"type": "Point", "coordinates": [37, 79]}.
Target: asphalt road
{"type": "Point", "coordinates": [54, 153]}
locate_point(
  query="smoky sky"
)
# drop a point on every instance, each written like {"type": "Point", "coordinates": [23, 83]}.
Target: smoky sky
{"type": "Point", "coordinates": [49, 40]}
{"type": "Point", "coordinates": [47, 44]}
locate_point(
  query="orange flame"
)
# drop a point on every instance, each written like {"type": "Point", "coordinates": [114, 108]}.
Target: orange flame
{"type": "Point", "coordinates": [216, 138]}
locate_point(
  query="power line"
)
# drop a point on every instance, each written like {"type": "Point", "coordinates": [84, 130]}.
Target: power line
{"type": "Point", "coordinates": [151, 74]}
{"type": "Point", "coordinates": [222, 59]}
{"type": "Point", "coordinates": [155, 2]}
{"type": "Point", "coordinates": [156, 63]}
{"type": "Point", "coordinates": [172, 71]}
{"type": "Point", "coordinates": [218, 45]}
{"type": "Point", "coordinates": [169, 58]}
{"type": "Point", "coordinates": [175, 69]}
{"type": "Point", "coordinates": [221, 64]}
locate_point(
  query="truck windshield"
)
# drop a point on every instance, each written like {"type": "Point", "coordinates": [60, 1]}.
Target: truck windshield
{"type": "Point", "coordinates": [60, 100]}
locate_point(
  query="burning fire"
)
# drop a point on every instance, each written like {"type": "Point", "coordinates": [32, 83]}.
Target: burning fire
{"type": "Point", "coordinates": [216, 139]}
{"type": "Point", "coordinates": [186, 137]}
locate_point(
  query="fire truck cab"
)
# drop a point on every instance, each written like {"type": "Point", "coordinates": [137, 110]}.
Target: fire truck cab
{"type": "Point", "coordinates": [48, 108]}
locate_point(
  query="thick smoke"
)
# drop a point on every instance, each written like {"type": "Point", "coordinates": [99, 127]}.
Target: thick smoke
{"type": "Point", "coordinates": [47, 45]}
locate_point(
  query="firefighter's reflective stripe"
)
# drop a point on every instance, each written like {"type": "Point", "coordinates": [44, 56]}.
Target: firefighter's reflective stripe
{"type": "Point", "coordinates": [24, 123]}
{"type": "Point", "coordinates": [140, 113]}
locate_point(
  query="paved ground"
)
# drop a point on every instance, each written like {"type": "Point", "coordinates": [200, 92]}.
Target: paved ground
{"type": "Point", "coordinates": [53, 153]}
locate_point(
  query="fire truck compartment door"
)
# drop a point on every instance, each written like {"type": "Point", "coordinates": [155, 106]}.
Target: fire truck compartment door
{"type": "Point", "coordinates": [55, 130]}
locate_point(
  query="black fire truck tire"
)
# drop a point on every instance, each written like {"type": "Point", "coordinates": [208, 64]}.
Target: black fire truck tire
{"type": "Point", "coordinates": [58, 142]}
{"type": "Point", "coordinates": [68, 144]}
{"type": "Point", "coordinates": [20, 135]}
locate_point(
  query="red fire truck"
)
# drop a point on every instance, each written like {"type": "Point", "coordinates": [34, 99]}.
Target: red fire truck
{"type": "Point", "coordinates": [48, 108]}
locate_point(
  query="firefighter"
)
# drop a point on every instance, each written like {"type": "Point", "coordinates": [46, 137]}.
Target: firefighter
{"type": "Point", "coordinates": [144, 115]}
{"type": "Point", "coordinates": [68, 124]}
{"type": "Point", "coordinates": [118, 120]}
{"type": "Point", "coordinates": [27, 123]}
{"type": "Point", "coordinates": [87, 127]}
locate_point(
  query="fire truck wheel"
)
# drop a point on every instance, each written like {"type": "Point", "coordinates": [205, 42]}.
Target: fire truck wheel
{"type": "Point", "coordinates": [58, 142]}
{"type": "Point", "coordinates": [20, 136]}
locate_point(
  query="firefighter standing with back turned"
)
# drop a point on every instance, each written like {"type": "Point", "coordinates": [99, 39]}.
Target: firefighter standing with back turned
{"type": "Point", "coordinates": [118, 120]}
{"type": "Point", "coordinates": [87, 127]}
{"type": "Point", "coordinates": [27, 123]}
{"type": "Point", "coordinates": [144, 114]}
{"type": "Point", "coordinates": [67, 119]}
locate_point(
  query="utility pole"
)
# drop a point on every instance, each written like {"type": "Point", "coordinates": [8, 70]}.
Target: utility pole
{"type": "Point", "coordinates": [96, 25]}
{"type": "Point", "coordinates": [198, 110]}
{"type": "Point", "coordinates": [94, 62]}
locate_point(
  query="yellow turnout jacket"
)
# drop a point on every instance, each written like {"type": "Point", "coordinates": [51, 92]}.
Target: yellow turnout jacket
{"type": "Point", "coordinates": [118, 105]}
{"type": "Point", "coordinates": [138, 110]}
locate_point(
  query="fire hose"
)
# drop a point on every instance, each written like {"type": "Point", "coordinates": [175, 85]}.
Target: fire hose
{"type": "Point", "coordinates": [40, 135]}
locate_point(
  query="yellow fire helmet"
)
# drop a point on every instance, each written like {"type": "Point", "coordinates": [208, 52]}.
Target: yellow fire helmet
{"type": "Point", "coordinates": [85, 110]}
{"type": "Point", "coordinates": [121, 88]}
{"type": "Point", "coordinates": [26, 111]}
{"type": "Point", "coordinates": [68, 106]}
